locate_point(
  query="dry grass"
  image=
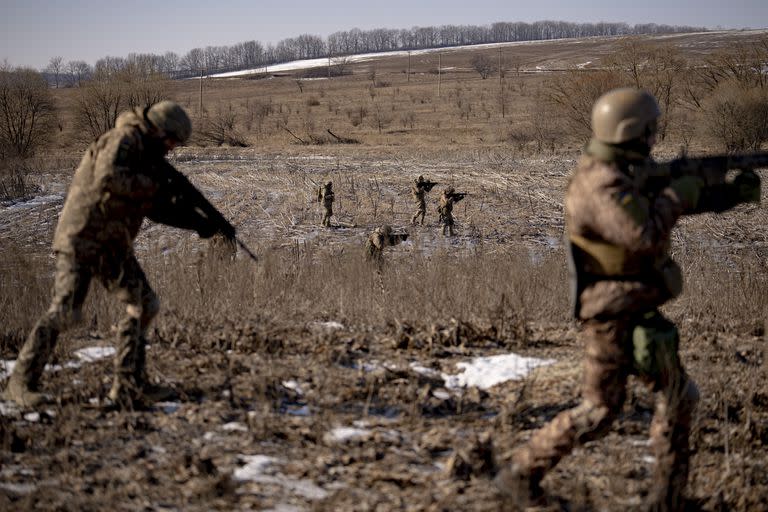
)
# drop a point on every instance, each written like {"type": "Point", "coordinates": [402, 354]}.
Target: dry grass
{"type": "Point", "coordinates": [230, 336]}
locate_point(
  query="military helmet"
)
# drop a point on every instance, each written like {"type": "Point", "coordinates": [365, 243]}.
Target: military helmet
{"type": "Point", "coordinates": [420, 179]}
{"type": "Point", "coordinates": [448, 191]}
{"type": "Point", "coordinates": [385, 229]}
{"type": "Point", "coordinates": [624, 114]}
{"type": "Point", "coordinates": [170, 118]}
{"type": "Point", "coordinates": [328, 184]}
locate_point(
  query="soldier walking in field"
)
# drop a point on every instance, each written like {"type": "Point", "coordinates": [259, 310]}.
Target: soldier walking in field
{"type": "Point", "coordinates": [325, 197]}
{"type": "Point", "coordinates": [618, 233]}
{"type": "Point", "coordinates": [419, 191]}
{"type": "Point", "coordinates": [445, 209]}
{"type": "Point", "coordinates": [122, 178]}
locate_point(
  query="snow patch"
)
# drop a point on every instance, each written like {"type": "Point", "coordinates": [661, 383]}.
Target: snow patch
{"type": "Point", "coordinates": [486, 372]}
{"type": "Point", "coordinates": [92, 354]}
{"type": "Point", "coordinates": [298, 410]}
{"type": "Point", "coordinates": [6, 368]}
{"type": "Point", "coordinates": [262, 469]}
{"type": "Point", "coordinates": [234, 426]}
{"type": "Point", "coordinates": [168, 407]}
{"type": "Point", "coordinates": [344, 434]}
{"type": "Point", "coordinates": [331, 326]}
{"type": "Point", "coordinates": [292, 385]}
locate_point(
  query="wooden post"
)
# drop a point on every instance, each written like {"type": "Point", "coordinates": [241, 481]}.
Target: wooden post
{"type": "Point", "coordinates": [329, 64]}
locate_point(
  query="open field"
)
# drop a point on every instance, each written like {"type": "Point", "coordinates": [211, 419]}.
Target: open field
{"type": "Point", "coordinates": [308, 382]}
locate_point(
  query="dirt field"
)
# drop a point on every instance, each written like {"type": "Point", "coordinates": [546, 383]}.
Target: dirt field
{"type": "Point", "coordinates": [310, 382]}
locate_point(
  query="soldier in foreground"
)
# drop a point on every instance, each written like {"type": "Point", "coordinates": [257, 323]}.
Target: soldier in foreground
{"type": "Point", "coordinates": [419, 191]}
{"type": "Point", "coordinates": [122, 178]}
{"type": "Point", "coordinates": [618, 234]}
{"type": "Point", "coordinates": [325, 197]}
{"type": "Point", "coordinates": [381, 238]}
{"type": "Point", "coordinates": [445, 210]}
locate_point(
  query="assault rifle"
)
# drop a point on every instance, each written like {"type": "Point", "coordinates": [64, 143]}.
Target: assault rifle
{"type": "Point", "coordinates": [458, 196]}
{"type": "Point", "coordinates": [178, 203]}
{"type": "Point", "coordinates": [653, 176]}
{"type": "Point", "coordinates": [396, 238]}
{"type": "Point", "coordinates": [428, 185]}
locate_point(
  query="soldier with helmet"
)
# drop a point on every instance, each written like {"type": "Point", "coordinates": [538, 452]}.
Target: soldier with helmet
{"type": "Point", "coordinates": [419, 192]}
{"type": "Point", "coordinates": [120, 181]}
{"type": "Point", "coordinates": [448, 198]}
{"type": "Point", "coordinates": [618, 235]}
{"type": "Point", "coordinates": [325, 197]}
{"type": "Point", "coordinates": [381, 238]}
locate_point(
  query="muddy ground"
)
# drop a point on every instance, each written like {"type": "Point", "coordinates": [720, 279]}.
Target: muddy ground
{"type": "Point", "coordinates": [311, 411]}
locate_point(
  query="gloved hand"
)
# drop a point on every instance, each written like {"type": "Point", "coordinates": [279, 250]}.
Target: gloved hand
{"type": "Point", "coordinates": [747, 187]}
{"type": "Point", "coordinates": [688, 190]}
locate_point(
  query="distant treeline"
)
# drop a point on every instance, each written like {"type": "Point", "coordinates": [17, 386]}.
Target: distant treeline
{"type": "Point", "coordinates": [253, 54]}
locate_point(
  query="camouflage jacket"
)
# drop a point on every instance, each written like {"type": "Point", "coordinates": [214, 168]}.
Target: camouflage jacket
{"type": "Point", "coordinates": [446, 206]}
{"type": "Point", "coordinates": [325, 197]}
{"type": "Point", "coordinates": [622, 236]}
{"type": "Point", "coordinates": [418, 192]}
{"type": "Point", "coordinates": [111, 192]}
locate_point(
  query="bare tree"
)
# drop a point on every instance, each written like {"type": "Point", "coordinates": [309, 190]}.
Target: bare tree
{"type": "Point", "coordinates": [483, 65]}
{"type": "Point", "coordinates": [27, 111]}
{"type": "Point", "coordinates": [55, 65]}
{"type": "Point", "coordinates": [79, 70]}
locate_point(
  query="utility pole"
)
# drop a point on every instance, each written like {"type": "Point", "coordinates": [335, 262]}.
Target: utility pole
{"type": "Point", "coordinates": [200, 106]}
{"type": "Point", "coordinates": [501, 85]}
{"type": "Point", "coordinates": [439, 75]}
{"type": "Point", "coordinates": [409, 66]}
{"type": "Point", "coordinates": [329, 64]}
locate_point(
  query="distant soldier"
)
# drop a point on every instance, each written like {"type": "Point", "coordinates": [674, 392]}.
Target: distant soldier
{"type": "Point", "coordinates": [618, 235]}
{"type": "Point", "coordinates": [445, 210]}
{"type": "Point", "coordinates": [419, 191]}
{"type": "Point", "coordinates": [325, 197]}
{"type": "Point", "coordinates": [380, 238]}
{"type": "Point", "coordinates": [122, 178]}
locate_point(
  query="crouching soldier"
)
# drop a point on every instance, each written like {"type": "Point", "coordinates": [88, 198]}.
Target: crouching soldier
{"type": "Point", "coordinates": [380, 238]}
{"type": "Point", "coordinates": [122, 178]}
{"type": "Point", "coordinates": [619, 234]}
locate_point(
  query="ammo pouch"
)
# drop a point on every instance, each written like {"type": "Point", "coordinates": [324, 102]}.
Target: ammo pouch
{"type": "Point", "coordinates": [655, 342]}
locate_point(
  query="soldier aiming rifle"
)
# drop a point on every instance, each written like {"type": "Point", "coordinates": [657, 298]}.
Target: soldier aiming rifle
{"type": "Point", "coordinates": [445, 209]}
{"type": "Point", "coordinates": [419, 191]}
{"type": "Point", "coordinates": [620, 208]}
{"type": "Point", "coordinates": [382, 237]}
{"type": "Point", "coordinates": [122, 178]}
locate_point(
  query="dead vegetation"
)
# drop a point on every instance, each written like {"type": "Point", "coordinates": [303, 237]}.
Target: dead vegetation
{"type": "Point", "coordinates": [270, 359]}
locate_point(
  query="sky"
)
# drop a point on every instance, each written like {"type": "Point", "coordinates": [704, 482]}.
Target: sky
{"type": "Point", "coordinates": [33, 31]}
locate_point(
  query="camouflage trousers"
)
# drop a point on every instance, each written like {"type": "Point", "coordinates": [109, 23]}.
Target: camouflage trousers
{"type": "Point", "coordinates": [327, 213]}
{"type": "Point", "coordinates": [126, 280]}
{"type": "Point", "coordinates": [447, 220]}
{"type": "Point", "coordinates": [609, 362]}
{"type": "Point", "coordinates": [421, 211]}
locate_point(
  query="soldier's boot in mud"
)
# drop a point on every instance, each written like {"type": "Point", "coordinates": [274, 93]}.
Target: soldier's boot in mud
{"type": "Point", "coordinates": [23, 383]}
{"type": "Point", "coordinates": [519, 487]}
{"type": "Point", "coordinates": [670, 430]}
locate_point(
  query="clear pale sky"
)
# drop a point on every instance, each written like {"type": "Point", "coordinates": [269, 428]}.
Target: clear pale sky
{"type": "Point", "coordinates": [33, 31]}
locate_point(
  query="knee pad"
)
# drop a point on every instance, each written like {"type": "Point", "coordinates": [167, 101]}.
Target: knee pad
{"type": "Point", "coordinates": [655, 341]}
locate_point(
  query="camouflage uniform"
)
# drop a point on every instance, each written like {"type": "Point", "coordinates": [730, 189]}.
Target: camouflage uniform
{"type": "Point", "coordinates": [380, 238]}
{"type": "Point", "coordinates": [111, 193]}
{"type": "Point", "coordinates": [446, 211]}
{"type": "Point", "coordinates": [325, 197]}
{"type": "Point", "coordinates": [623, 237]}
{"type": "Point", "coordinates": [419, 195]}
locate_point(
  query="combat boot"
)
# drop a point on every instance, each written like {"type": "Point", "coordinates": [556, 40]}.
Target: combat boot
{"type": "Point", "coordinates": [519, 487]}
{"type": "Point", "coordinates": [18, 392]}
